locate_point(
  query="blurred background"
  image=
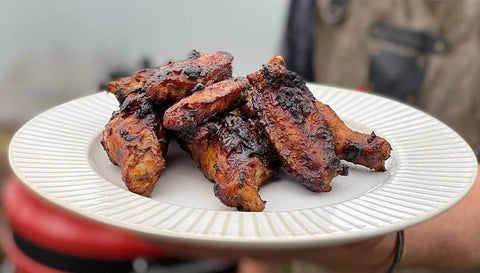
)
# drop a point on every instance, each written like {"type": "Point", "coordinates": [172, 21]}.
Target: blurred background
{"type": "Point", "coordinates": [425, 53]}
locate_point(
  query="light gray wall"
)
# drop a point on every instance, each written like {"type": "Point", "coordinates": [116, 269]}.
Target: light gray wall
{"type": "Point", "coordinates": [54, 50]}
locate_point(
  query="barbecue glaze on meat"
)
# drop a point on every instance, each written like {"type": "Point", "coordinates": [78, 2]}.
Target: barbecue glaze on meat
{"type": "Point", "coordinates": [368, 150]}
{"type": "Point", "coordinates": [197, 108]}
{"type": "Point", "coordinates": [237, 130]}
{"type": "Point", "coordinates": [137, 142]}
{"type": "Point", "coordinates": [232, 154]}
{"type": "Point", "coordinates": [287, 112]}
{"type": "Point", "coordinates": [175, 80]}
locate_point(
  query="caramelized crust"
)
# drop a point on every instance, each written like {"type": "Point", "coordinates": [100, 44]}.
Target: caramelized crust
{"type": "Point", "coordinates": [368, 150]}
{"type": "Point", "coordinates": [138, 144]}
{"type": "Point", "coordinates": [247, 109]}
{"type": "Point", "coordinates": [123, 87]}
{"type": "Point", "coordinates": [176, 79]}
{"type": "Point", "coordinates": [272, 118]}
{"type": "Point", "coordinates": [197, 108]}
{"type": "Point", "coordinates": [231, 153]}
{"type": "Point", "coordinates": [294, 126]}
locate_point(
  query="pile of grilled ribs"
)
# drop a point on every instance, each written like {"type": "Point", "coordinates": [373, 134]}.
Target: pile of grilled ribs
{"type": "Point", "coordinates": [238, 130]}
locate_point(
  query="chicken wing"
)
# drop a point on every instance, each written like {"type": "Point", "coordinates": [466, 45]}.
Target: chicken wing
{"type": "Point", "coordinates": [231, 153]}
{"type": "Point", "coordinates": [197, 108]}
{"type": "Point", "coordinates": [368, 150]}
{"type": "Point", "coordinates": [176, 79]}
{"type": "Point", "coordinates": [287, 112]}
{"type": "Point", "coordinates": [136, 141]}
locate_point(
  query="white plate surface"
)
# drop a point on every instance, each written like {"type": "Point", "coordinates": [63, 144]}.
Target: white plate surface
{"type": "Point", "coordinates": [58, 155]}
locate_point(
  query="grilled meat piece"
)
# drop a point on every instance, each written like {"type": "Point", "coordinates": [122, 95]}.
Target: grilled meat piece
{"type": "Point", "coordinates": [136, 141]}
{"type": "Point", "coordinates": [254, 126]}
{"type": "Point", "coordinates": [123, 87]}
{"type": "Point", "coordinates": [368, 150]}
{"type": "Point", "coordinates": [197, 108]}
{"type": "Point", "coordinates": [231, 153]}
{"type": "Point", "coordinates": [176, 79]}
{"type": "Point", "coordinates": [247, 109]}
{"type": "Point", "coordinates": [287, 112]}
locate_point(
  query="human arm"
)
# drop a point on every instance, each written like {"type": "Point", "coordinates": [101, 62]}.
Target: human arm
{"type": "Point", "coordinates": [451, 240]}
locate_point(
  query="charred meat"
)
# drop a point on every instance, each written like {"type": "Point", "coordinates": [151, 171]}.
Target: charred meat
{"type": "Point", "coordinates": [197, 108]}
{"type": "Point", "coordinates": [176, 79]}
{"type": "Point", "coordinates": [230, 152]}
{"type": "Point", "coordinates": [296, 129]}
{"type": "Point", "coordinates": [137, 142]}
{"type": "Point", "coordinates": [368, 150]}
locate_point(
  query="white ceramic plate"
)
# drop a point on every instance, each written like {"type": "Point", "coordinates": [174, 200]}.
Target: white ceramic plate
{"type": "Point", "coordinates": [58, 155]}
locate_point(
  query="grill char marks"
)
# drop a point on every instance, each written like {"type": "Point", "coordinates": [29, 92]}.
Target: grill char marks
{"type": "Point", "coordinates": [231, 153]}
{"type": "Point", "coordinates": [123, 87]}
{"type": "Point", "coordinates": [138, 145]}
{"type": "Point", "coordinates": [176, 79]}
{"type": "Point", "coordinates": [197, 108]}
{"type": "Point", "coordinates": [368, 150]}
{"type": "Point", "coordinates": [297, 131]}
{"type": "Point", "coordinates": [237, 130]}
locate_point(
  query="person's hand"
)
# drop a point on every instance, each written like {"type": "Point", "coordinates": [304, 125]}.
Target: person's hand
{"type": "Point", "coordinates": [373, 255]}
